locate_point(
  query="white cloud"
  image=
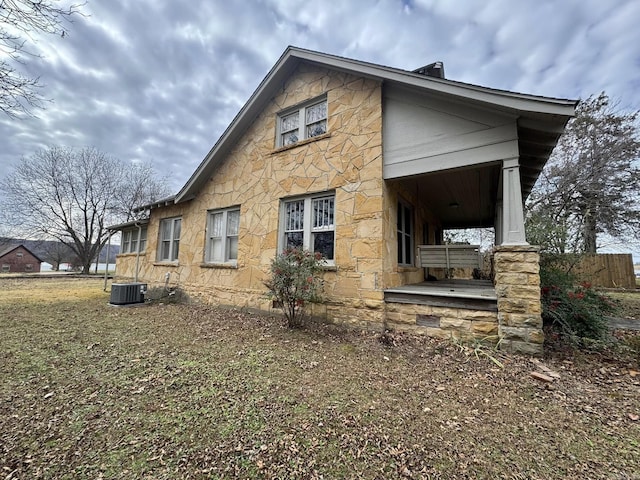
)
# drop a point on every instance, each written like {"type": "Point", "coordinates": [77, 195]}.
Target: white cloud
{"type": "Point", "coordinates": [160, 81]}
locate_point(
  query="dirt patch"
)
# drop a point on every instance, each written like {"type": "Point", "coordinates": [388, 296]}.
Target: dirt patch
{"type": "Point", "coordinates": [188, 391]}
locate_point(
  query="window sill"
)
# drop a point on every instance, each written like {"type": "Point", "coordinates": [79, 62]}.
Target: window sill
{"type": "Point", "coordinates": [131, 254]}
{"type": "Point", "coordinates": [408, 269]}
{"type": "Point", "coordinates": [165, 264]}
{"type": "Point", "coordinates": [230, 266]}
{"type": "Point", "coordinates": [300, 143]}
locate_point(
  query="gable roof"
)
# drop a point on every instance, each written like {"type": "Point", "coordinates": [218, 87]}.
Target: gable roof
{"type": "Point", "coordinates": [541, 119]}
{"type": "Point", "coordinates": [8, 249]}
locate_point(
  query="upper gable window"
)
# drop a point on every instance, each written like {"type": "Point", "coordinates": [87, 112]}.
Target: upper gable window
{"type": "Point", "coordinates": [307, 120]}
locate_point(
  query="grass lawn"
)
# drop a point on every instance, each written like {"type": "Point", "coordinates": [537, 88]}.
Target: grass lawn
{"type": "Point", "coordinates": [164, 391]}
{"type": "Point", "coordinates": [629, 303]}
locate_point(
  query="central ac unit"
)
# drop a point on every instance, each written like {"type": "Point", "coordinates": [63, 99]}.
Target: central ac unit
{"type": "Point", "coordinates": [127, 293]}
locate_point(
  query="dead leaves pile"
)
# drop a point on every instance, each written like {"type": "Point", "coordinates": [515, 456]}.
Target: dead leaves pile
{"type": "Point", "coordinates": [188, 391]}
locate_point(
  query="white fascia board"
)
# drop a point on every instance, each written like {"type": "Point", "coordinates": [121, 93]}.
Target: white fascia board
{"type": "Point", "coordinates": [511, 100]}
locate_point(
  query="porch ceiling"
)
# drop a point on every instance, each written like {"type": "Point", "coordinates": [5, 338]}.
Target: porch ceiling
{"type": "Point", "coordinates": [460, 198]}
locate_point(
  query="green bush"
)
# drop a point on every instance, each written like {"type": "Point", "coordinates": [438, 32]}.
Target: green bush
{"type": "Point", "coordinates": [295, 282]}
{"type": "Point", "coordinates": [575, 310]}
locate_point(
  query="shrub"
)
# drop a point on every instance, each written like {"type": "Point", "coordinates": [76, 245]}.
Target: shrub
{"type": "Point", "coordinates": [575, 310]}
{"type": "Point", "coordinates": [295, 282]}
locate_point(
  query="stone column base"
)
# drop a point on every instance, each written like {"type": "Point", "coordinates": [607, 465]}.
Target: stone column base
{"type": "Point", "coordinates": [517, 284]}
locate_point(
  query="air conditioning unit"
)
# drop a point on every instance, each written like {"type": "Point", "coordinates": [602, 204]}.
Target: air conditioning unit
{"type": "Point", "coordinates": [127, 293]}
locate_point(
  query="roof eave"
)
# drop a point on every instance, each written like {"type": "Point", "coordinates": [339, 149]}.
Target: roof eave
{"type": "Point", "coordinates": [163, 202]}
{"type": "Point", "coordinates": [516, 102]}
{"type": "Point", "coordinates": [132, 223]}
{"type": "Point", "coordinates": [249, 109]}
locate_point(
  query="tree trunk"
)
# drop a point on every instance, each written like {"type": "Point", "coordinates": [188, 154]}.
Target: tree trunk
{"type": "Point", "coordinates": [589, 234]}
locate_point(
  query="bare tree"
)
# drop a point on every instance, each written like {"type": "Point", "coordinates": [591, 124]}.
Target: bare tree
{"type": "Point", "coordinates": [139, 186]}
{"type": "Point", "coordinates": [54, 253]}
{"type": "Point", "coordinates": [20, 19]}
{"type": "Point", "coordinates": [591, 185]}
{"type": "Point", "coordinates": [73, 195]}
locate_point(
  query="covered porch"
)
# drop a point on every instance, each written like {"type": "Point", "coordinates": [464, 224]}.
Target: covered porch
{"type": "Point", "coordinates": [469, 166]}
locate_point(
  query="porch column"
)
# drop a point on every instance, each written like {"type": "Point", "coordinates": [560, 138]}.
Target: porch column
{"type": "Point", "coordinates": [512, 230]}
{"type": "Point", "coordinates": [517, 271]}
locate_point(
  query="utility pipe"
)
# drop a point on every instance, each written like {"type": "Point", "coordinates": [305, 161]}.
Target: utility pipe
{"type": "Point", "coordinates": [138, 251]}
{"type": "Point", "coordinates": [106, 270]}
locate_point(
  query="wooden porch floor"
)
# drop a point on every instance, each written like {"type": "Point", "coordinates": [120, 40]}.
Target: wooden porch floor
{"type": "Point", "coordinates": [469, 294]}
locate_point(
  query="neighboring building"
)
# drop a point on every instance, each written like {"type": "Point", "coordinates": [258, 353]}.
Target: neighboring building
{"type": "Point", "coordinates": [363, 163]}
{"type": "Point", "coordinates": [18, 259]}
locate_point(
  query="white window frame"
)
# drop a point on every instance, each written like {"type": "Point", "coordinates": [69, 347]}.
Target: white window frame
{"type": "Point", "coordinates": [301, 111]}
{"type": "Point", "coordinates": [142, 241]}
{"type": "Point", "coordinates": [125, 243]}
{"type": "Point", "coordinates": [402, 234]}
{"type": "Point", "coordinates": [130, 243]}
{"type": "Point", "coordinates": [225, 237]}
{"type": "Point", "coordinates": [308, 230]}
{"type": "Point", "coordinates": [173, 240]}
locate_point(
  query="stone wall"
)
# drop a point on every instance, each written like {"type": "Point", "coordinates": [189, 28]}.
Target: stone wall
{"type": "Point", "coordinates": [443, 322]}
{"type": "Point", "coordinates": [517, 284]}
{"type": "Point", "coordinates": [256, 175]}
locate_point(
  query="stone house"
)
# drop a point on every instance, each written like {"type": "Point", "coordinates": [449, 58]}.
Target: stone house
{"type": "Point", "coordinates": [363, 163]}
{"type": "Point", "coordinates": [18, 259]}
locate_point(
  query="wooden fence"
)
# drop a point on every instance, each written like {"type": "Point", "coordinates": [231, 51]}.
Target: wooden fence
{"type": "Point", "coordinates": [608, 270]}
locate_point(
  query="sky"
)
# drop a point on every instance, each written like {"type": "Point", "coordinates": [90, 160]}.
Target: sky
{"type": "Point", "coordinates": [158, 81]}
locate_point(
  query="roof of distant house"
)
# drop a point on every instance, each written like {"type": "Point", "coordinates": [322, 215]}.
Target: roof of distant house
{"type": "Point", "coordinates": [8, 249]}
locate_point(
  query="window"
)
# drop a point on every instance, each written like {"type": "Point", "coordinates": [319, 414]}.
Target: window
{"type": "Point", "coordinates": [126, 241]}
{"type": "Point", "coordinates": [28, 267]}
{"type": "Point", "coordinates": [405, 234]}
{"type": "Point", "coordinates": [222, 236]}
{"type": "Point", "coordinates": [306, 121]}
{"type": "Point", "coordinates": [6, 267]}
{"type": "Point", "coordinates": [308, 223]}
{"type": "Point", "coordinates": [130, 242]}
{"type": "Point", "coordinates": [169, 239]}
{"type": "Point", "coordinates": [19, 254]}
{"type": "Point", "coordinates": [142, 245]}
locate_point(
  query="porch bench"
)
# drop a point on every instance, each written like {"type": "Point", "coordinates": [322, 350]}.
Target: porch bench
{"type": "Point", "coordinates": [449, 256]}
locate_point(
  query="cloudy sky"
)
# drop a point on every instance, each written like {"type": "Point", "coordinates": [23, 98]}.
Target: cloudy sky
{"type": "Point", "coordinates": [159, 80]}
